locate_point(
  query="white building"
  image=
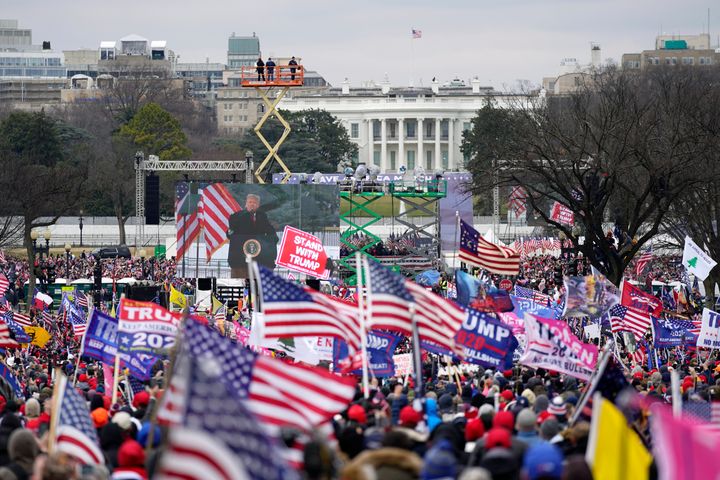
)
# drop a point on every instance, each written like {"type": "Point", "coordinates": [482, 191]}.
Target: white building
{"type": "Point", "coordinates": [395, 126]}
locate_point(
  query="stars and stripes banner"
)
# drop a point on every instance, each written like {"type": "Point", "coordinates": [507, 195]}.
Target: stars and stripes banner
{"type": "Point", "coordinates": [22, 319]}
{"type": "Point", "coordinates": [517, 200]}
{"type": "Point", "coordinates": [534, 295]}
{"type": "Point", "coordinates": [6, 340]}
{"type": "Point", "coordinates": [390, 297]}
{"type": "Point", "coordinates": [475, 250]}
{"type": "Point", "coordinates": [77, 319]}
{"type": "Point", "coordinates": [75, 433]}
{"type": "Point", "coordinates": [217, 206]}
{"type": "Point", "coordinates": [4, 284]}
{"type": "Point", "coordinates": [643, 261]}
{"type": "Point", "coordinates": [629, 319]}
{"type": "Point", "coordinates": [292, 311]}
{"type": "Point", "coordinates": [187, 218]}
{"type": "Point", "coordinates": [81, 300]}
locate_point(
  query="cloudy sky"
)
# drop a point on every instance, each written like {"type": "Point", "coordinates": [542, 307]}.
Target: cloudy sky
{"type": "Point", "coordinates": [500, 42]}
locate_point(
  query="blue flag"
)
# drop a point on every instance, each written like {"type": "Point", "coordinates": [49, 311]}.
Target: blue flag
{"type": "Point", "coordinates": [7, 374]}
{"type": "Point", "coordinates": [525, 305]}
{"type": "Point", "coordinates": [467, 287]}
{"type": "Point", "coordinates": [486, 341]}
{"type": "Point", "coordinates": [672, 332]}
{"type": "Point", "coordinates": [380, 348]}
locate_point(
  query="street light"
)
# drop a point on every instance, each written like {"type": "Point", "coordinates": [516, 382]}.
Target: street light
{"type": "Point", "coordinates": [67, 263]}
{"type": "Point", "coordinates": [81, 227]}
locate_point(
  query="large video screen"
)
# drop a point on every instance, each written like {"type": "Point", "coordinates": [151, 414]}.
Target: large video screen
{"type": "Point", "coordinates": [250, 218]}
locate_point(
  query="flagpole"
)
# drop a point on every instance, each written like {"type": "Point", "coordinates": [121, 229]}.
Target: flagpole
{"type": "Point", "coordinates": [457, 241]}
{"type": "Point", "coordinates": [252, 304]}
{"type": "Point", "coordinates": [82, 343]}
{"type": "Point", "coordinates": [417, 357]}
{"type": "Point", "coordinates": [602, 364]}
{"type": "Point", "coordinates": [54, 412]}
{"type": "Point", "coordinates": [359, 270]}
{"type": "Point", "coordinates": [116, 376]}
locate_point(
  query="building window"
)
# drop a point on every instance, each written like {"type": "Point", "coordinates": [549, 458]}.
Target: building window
{"type": "Point", "coordinates": [444, 129]}
{"type": "Point", "coordinates": [354, 130]}
{"type": "Point", "coordinates": [467, 126]}
{"type": "Point", "coordinates": [688, 61]}
{"type": "Point", "coordinates": [411, 159]}
{"type": "Point", "coordinates": [445, 165]}
{"type": "Point", "coordinates": [375, 130]}
{"type": "Point", "coordinates": [393, 129]}
{"type": "Point", "coordinates": [429, 159]}
{"type": "Point", "coordinates": [429, 130]}
{"type": "Point", "coordinates": [376, 158]}
{"type": "Point", "coordinates": [410, 130]}
{"type": "Point", "coordinates": [392, 160]}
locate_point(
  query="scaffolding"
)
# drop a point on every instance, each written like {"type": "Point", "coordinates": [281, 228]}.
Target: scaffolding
{"type": "Point", "coordinates": [417, 199]}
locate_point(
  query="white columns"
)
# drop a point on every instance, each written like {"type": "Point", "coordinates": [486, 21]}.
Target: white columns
{"type": "Point", "coordinates": [420, 154]}
{"type": "Point", "coordinates": [438, 153]}
{"type": "Point", "coordinates": [401, 144]}
{"type": "Point", "coordinates": [370, 142]}
{"type": "Point", "coordinates": [383, 146]}
{"type": "Point", "coordinates": [451, 144]}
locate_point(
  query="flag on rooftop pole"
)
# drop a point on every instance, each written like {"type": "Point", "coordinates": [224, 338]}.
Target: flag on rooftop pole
{"type": "Point", "coordinates": [696, 261]}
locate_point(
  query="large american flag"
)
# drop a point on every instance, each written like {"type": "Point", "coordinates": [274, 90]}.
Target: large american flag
{"type": "Point", "coordinates": [517, 200]}
{"type": "Point", "coordinates": [291, 311]}
{"type": "Point", "coordinates": [277, 393]}
{"type": "Point", "coordinates": [187, 218]}
{"type": "Point", "coordinates": [17, 330]}
{"type": "Point", "coordinates": [534, 295]}
{"type": "Point", "coordinates": [708, 412]}
{"type": "Point", "coordinates": [218, 436]}
{"type": "Point", "coordinates": [22, 319]}
{"type": "Point", "coordinates": [629, 319]}
{"type": "Point", "coordinates": [77, 320]}
{"type": "Point", "coordinates": [475, 250]}
{"type": "Point", "coordinates": [643, 260]}
{"type": "Point", "coordinates": [217, 206]}
{"type": "Point", "coordinates": [390, 297]}
{"type": "Point", "coordinates": [75, 433]}
{"type": "Point", "coordinates": [6, 340]}
{"type": "Point", "coordinates": [4, 284]}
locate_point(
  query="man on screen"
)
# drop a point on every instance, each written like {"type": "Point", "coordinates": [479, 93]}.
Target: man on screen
{"type": "Point", "coordinates": [251, 233]}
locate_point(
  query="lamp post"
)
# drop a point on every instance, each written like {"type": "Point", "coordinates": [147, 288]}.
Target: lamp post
{"type": "Point", "coordinates": [46, 236]}
{"type": "Point", "coordinates": [67, 263]}
{"type": "Point", "coordinates": [34, 237]}
{"type": "Point", "coordinates": [142, 253]}
{"type": "Point", "coordinates": [81, 227]}
{"type": "Point", "coordinates": [248, 166]}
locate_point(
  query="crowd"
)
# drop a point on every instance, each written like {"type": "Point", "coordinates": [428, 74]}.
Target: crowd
{"type": "Point", "coordinates": [395, 245]}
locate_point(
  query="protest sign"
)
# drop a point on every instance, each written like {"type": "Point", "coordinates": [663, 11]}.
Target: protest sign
{"type": "Point", "coordinates": [589, 296]}
{"type": "Point", "coordinates": [525, 307]}
{"type": "Point", "coordinates": [562, 214]}
{"type": "Point", "coordinates": [403, 364]}
{"type": "Point", "coordinates": [709, 330]}
{"type": "Point", "coordinates": [302, 252]}
{"type": "Point", "coordinates": [145, 327]}
{"type": "Point", "coordinates": [380, 349]}
{"type": "Point", "coordinates": [632, 296]}
{"type": "Point", "coordinates": [551, 345]}
{"type": "Point", "coordinates": [516, 324]}
{"type": "Point", "coordinates": [486, 341]}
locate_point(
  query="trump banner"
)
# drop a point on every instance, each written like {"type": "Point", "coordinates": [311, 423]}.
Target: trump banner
{"type": "Point", "coordinates": [551, 345]}
{"type": "Point", "coordinates": [589, 296]}
{"type": "Point", "coordinates": [486, 341]}
{"type": "Point", "coordinates": [302, 252]}
{"type": "Point", "coordinates": [562, 214]}
{"type": "Point", "coordinates": [633, 297]}
{"type": "Point", "coordinates": [380, 350]}
{"type": "Point", "coordinates": [671, 332]}
{"type": "Point", "coordinates": [525, 306]}
{"type": "Point", "coordinates": [101, 343]}
{"type": "Point", "coordinates": [709, 330]}
{"type": "Point", "coordinates": [146, 327]}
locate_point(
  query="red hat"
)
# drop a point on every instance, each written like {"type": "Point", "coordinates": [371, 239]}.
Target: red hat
{"type": "Point", "coordinates": [409, 417]}
{"type": "Point", "coordinates": [504, 419]}
{"type": "Point", "coordinates": [508, 373]}
{"type": "Point", "coordinates": [357, 413]}
{"type": "Point", "coordinates": [497, 437]}
{"type": "Point", "coordinates": [638, 375]}
{"type": "Point", "coordinates": [474, 430]}
{"type": "Point", "coordinates": [141, 400]}
{"type": "Point", "coordinates": [544, 415]}
{"type": "Point", "coordinates": [471, 412]}
{"type": "Point", "coordinates": [507, 395]}
{"type": "Point", "coordinates": [131, 454]}
{"type": "Point", "coordinates": [82, 378]}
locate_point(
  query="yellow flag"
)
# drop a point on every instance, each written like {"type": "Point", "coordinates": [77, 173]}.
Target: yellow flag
{"type": "Point", "coordinates": [614, 450]}
{"type": "Point", "coordinates": [177, 298]}
{"type": "Point", "coordinates": [39, 336]}
{"type": "Point", "coordinates": [216, 304]}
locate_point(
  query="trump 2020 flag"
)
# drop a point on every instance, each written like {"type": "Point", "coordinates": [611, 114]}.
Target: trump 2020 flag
{"type": "Point", "coordinates": [709, 330]}
{"type": "Point", "coordinates": [696, 261]}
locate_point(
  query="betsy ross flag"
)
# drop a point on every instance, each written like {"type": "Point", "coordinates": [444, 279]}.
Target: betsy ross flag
{"type": "Point", "coordinates": [416, 33]}
{"type": "Point", "coordinates": [629, 319]}
{"type": "Point", "coordinates": [74, 430]}
{"type": "Point", "coordinates": [217, 206]}
{"type": "Point", "coordinates": [475, 250]}
{"type": "Point", "coordinates": [225, 443]}
{"type": "Point", "coordinates": [187, 217]}
{"type": "Point", "coordinates": [277, 393]}
{"type": "Point", "coordinates": [390, 297]}
{"type": "Point", "coordinates": [292, 311]}
{"type": "Point", "coordinates": [643, 261]}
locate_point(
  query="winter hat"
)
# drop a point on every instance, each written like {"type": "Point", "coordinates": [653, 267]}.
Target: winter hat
{"type": "Point", "coordinates": [131, 454]}
{"type": "Point", "coordinates": [409, 417]}
{"type": "Point", "coordinates": [526, 420]}
{"type": "Point", "coordinates": [541, 403]}
{"type": "Point", "coordinates": [100, 417]}
{"type": "Point", "coordinates": [445, 403]}
{"type": "Point", "coordinates": [439, 462]}
{"type": "Point", "coordinates": [141, 400]}
{"type": "Point", "coordinates": [504, 420]}
{"type": "Point", "coordinates": [557, 407]}
{"type": "Point", "coordinates": [543, 460]}
{"type": "Point", "coordinates": [497, 437]}
{"type": "Point", "coordinates": [144, 434]}
{"type": "Point", "coordinates": [357, 413]}
{"type": "Point", "coordinates": [544, 415]}
{"type": "Point", "coordinates": [507, 395]}
{"type": "Point", "coordinates": [529, 395]}
{"type": "Point", "coordinates": [122, 420]}
{"type": "Point", "coordinates": [474, 430]}
{"type": "Point", "coordinates": [549, 428]}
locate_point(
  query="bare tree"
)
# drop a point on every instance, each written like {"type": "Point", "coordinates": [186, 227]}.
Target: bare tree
{"type": "Point", "coordinates": [618, 153]}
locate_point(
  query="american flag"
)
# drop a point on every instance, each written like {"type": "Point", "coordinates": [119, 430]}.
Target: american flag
{"type": "Point", "coordinates": [47, 319]}
{"type": "Point", "coordinates": [416, 33]}
{"type": "Point", "coordinates": [643, 260]}
{"type": "Point", "coordinates": [22, 319]}
{"type": "Point", "coordinates": [708, 412]}
{"type": "Point", "coordinates": [18, 332]}
{"type": "Point", "coordinates": [517, 200]}
{"type": "Point", "coordinates": [81, 299]}
{"type": "Point", "coordinates": [7, 374]}
{"type": "Point", "coordinates": [291, 311]}
{"type": "Point", "coordinates": [222, 442]}
{"type": "Point", "coordinates": [277, 393]}
{"type": "Point", "coordinates": [75, 433]}
{"type": "Point", "coordinates": [390, 297]}
{"type": "Point", "coordinates": [4, 284]}
{"type": "Point", "coordinates": [136, 386]}
{"type": "Point", "coordinates": [534, 295]}
{"type": "Point", "coordinates": [475, 250]}
{"type": "Point", "coordinates": [188, 221]}
{"type": "Point", "coordinates": [5, 340]}
{"type": "Point", "coordinates": [639, 356]}
{"type": "Point", "coordinates": [629, 319]}
{"type": "Point", "coordinates": [78, 321]}
{"type": "Point", "coordinates": [217, 206]}
{"type": "Point", "coordinates": [2, 257]}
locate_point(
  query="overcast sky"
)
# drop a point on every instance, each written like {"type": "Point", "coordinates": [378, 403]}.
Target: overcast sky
{"type": "Point", "coordinates": [500, 42]}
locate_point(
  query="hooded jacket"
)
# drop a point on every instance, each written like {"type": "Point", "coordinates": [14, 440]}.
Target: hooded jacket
{"type": "Point", "coordinates": [386, 463]}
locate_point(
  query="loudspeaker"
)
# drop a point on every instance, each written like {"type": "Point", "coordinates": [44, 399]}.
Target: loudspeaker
{"type": "Point", "coordinates": [313, 283]}
{"type": "Point", "coordinates": [142, 293]}
{"type": "Point", "coordinates": [152, 200]}
{"type": "Point", "coordinates": [206, 283]}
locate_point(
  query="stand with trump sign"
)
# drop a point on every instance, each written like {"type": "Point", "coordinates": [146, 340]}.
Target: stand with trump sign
{"type": "Point", "coordinates": [302, 252]}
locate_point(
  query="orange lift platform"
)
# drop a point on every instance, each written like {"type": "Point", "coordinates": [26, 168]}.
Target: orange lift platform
{"type": "Point", "coordinates": [264, 79]}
